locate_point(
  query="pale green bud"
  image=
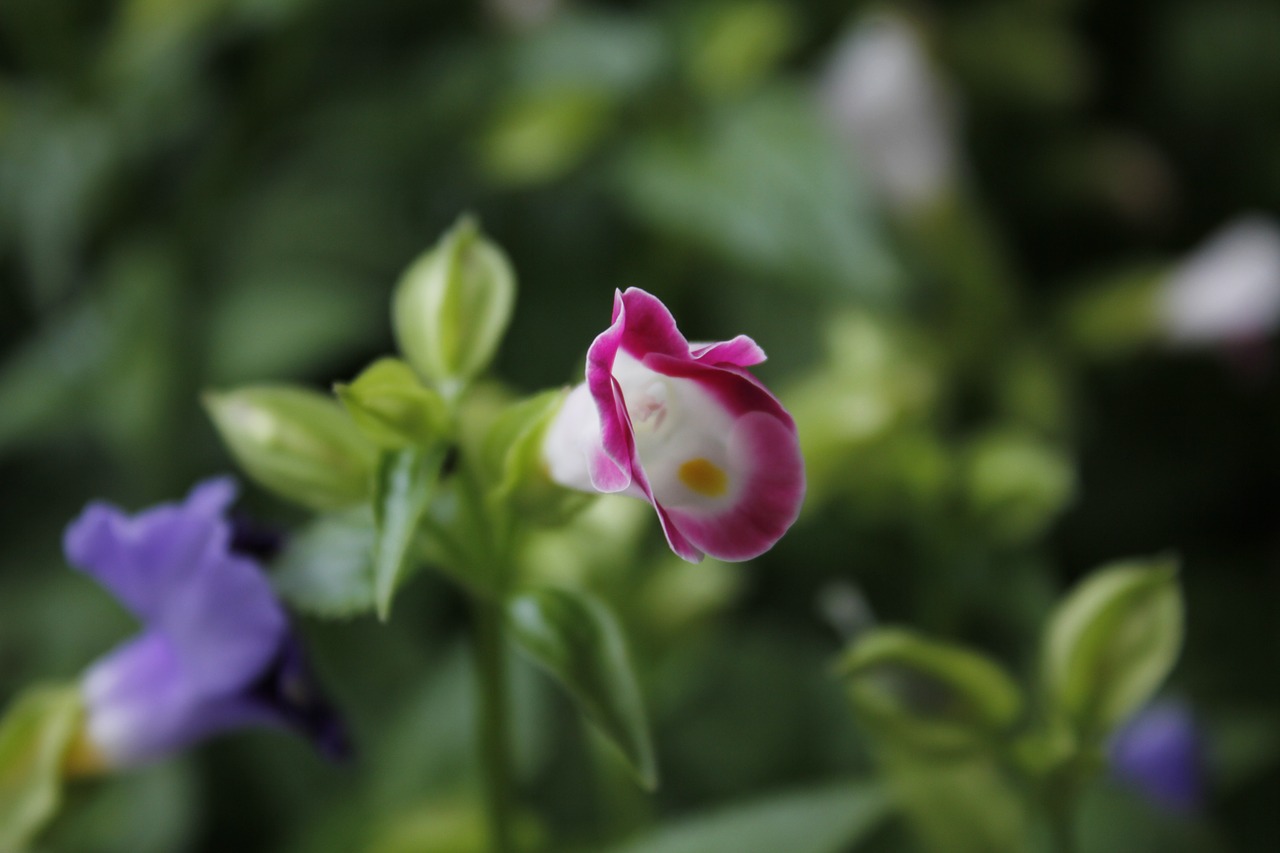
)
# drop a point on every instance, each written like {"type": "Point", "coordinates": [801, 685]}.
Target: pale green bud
{"type": "Point", "coordinates": [452, 307]}
{"type": "Point", "coordinates": [298, 443]}
{"type": "Point", "coordinates": [1111, 642]}
{"type": "Point", "coordinates": [392, 407]}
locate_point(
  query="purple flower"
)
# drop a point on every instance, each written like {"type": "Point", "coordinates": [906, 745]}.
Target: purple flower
{"type": "Point", "coordinates": [215, 652]}
{"type": "Point", "coordinates": [685, 427]}
{"type": "Point", "coordinates": [1160, 753]}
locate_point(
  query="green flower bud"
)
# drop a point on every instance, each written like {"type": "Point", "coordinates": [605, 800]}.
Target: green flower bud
{"type": "Point", "coordinates": [392, 407]}
{"type": "Point", "coordinates": [298, 443]}
{"type": "Point", "coordinates": [1111, 642]}
{"type": "Point", "coordinates": [452, 307]}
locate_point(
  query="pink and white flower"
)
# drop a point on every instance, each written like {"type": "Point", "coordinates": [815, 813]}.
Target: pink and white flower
{"type": "Point", "coordinates": [687, 428]}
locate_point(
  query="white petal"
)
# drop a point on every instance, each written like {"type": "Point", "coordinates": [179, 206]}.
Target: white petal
{"type": "Point", "coordinates": [1228, 288]}
{"type": "Point", "coordinates": [882, 95]}
{"type": "Point", "coordinates": [572, 439]}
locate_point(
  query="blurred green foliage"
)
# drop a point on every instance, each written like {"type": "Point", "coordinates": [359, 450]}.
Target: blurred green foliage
{"type": "Point", "coordinates": [200, 193]}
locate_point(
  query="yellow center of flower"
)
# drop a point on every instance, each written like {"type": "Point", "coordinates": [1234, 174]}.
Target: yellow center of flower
{"type": "Point", "coordinates": [704, 477]}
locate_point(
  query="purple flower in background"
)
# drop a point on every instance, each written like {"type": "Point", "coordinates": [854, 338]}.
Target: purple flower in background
{"type": "Point", "coordinates": [215, 652]}
{"type": "Point", "coordinates": [1160, 753]}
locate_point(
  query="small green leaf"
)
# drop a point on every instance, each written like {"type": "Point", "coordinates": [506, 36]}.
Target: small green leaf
{"type": "Point", "coordinates": [405, 484]}
{"type": "Point", "coordinates": [296, 442]}
{"type": "Point", "coordinates": [1111, 642]}
{"type": "Point", "coordinates": [578, 641]}
{"type": "Point", "coordinates": [392, 407]}
{"type": "Point", "coordinates": [327, 569]}
{"type": "Point", "coordinates": [512, 458]}
{"type": "Point", "coordinates": [34, 737]}
{"type": "Point", "coordinates": [928, 694]}
{"type": "Point", "coordinates": [832, 819]}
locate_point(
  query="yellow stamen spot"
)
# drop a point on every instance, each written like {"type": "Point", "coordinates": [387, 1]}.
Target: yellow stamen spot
{"type": "Point", "coordinates": [704, 477]}
{"type": "Point", "coordinates": [83, 758]}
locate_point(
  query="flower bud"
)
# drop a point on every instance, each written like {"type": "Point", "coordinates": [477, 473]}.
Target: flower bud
{"type": "Point", "coordinates": [298, 443]}
{"type": "Point", "coordinates": [392, 407]}
{"type": "Point", "coordinates": [452, 307]}
{"type": "Point", "coordinates": [1111, 642]}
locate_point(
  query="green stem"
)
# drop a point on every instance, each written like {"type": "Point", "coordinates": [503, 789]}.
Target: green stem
{"type": "Point", "coordinates": [494, 735]}
{"type": "Point", "coordinates": [1062, 795]}
{"type": "Point", "coordinates": [1062, 830]}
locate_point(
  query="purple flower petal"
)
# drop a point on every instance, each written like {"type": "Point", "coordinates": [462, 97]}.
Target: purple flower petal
{"type": "Point", "coordinates": [1160, 753]}
{"type": "Point", "coordinates": [212, 626]}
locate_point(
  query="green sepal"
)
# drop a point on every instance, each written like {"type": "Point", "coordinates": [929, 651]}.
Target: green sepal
{"type": "Point", "coordinates": [406, 482]}
{"type": "Point", "coordinates": [295, 442]}
{"type": "Point", "coordinates": [392, 407]}
{"type": "Point", "coordinates": [929, 695]}
{"type": "Point", "coordinates": [35, 736]}
{"type": "Point", "coordinates": [513, 462]}
{"type": "Point", "coordinates": [577, 639]}
{"type": "Point", "coordinates": [327, 568]}
{"type": "Point", "coordinates": [1111, 642]}
{"type": "Point", "coordinates": [452, 306]}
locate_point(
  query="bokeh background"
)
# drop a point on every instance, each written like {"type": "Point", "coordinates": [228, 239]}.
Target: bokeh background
{"type": "Point", "coordinates": [200, 193]}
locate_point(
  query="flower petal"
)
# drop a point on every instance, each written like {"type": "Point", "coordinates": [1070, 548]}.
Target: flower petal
{"type": "Point", "coordinates": [741, 351]}
{"type": "Point", "coordinates": [648, 326]}
{"type": "Point", "coordinates": [610, 470]}
{"type": "Point", "coordinates": [172, 567]}
{"type": "Point", "coordinates": [766, 451]}
{"type": "Point", "coordinates": [144, 701]}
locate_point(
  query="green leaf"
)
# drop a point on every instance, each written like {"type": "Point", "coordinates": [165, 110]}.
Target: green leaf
{"type": "Point", "coordinates": [392, 407]}
{"type": "Point", "coordinates": [34, 737]}
{"type": "Point", "coordinates": [296, 442]}
{"type": "Point", "coordinates": [708, 188]}
{"type": "Point", "coordinates": [928, 694]}
{"type": "Point", "coordinates": [406, 481]}
{"type": "Point", "coordinates": [831, 819]}
{"type": "Point", "coordinates": [327, 569]}
{"type": "Point", "coordinates": [1111, 642]}
{"type": "Point", "coordinates": [578, 641]}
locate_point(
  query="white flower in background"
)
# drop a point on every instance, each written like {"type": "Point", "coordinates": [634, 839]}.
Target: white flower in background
{"type": "Point", "coordinates": [1228, 289]}
{"type": "Point", "coordinates": [881, 94]}
{"type": "Point", "coordinates": [522, 14]}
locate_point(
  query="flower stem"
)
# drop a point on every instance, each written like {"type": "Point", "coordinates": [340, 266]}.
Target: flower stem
{"type": "Point", "coordinates": [494, 735]}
